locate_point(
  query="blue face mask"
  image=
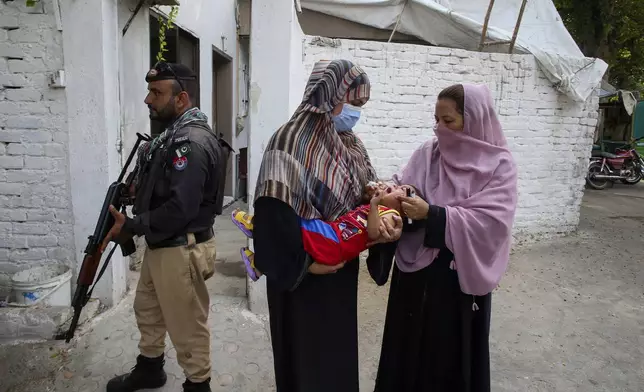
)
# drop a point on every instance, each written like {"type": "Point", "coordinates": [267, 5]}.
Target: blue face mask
{"type": "Point", "coordinates": [347, 119]}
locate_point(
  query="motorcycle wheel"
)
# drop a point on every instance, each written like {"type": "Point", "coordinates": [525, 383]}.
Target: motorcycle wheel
{"type": "Point", "coordinates": [596, 168]}
{"type": "Point", "coordinates": [632, 180]}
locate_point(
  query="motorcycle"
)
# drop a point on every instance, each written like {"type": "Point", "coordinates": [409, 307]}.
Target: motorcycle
{"type": "Point", "coordinates": [626, 166]}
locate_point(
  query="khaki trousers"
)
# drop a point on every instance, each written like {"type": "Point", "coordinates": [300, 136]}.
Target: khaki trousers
{"type": "Point", "coordinates": [172, 297]}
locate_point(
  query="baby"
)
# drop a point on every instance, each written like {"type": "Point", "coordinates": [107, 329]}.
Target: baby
{"type": "Point", "coordinates": [332, 243]}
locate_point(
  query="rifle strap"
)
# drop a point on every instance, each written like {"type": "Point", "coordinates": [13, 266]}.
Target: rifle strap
{"type": "Point", "coordinates": [100, 274]}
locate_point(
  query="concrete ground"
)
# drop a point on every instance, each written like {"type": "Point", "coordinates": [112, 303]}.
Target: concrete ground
{"type": "Point", "coordinates": [568, 316]}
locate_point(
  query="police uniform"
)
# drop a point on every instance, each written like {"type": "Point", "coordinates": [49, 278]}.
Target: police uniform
{"type": "Point", "coordinates": [180, 191]}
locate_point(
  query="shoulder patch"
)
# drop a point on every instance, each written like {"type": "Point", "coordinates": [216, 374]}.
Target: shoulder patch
{"type": "Point", "coordinates": [182, 150]}
{"type": "Point", "coordinates": [180, 163]}
{"type": "Point", "coordinates": [181, 139]}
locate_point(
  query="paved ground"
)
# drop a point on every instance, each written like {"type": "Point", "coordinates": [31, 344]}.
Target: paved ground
{"type": "Point", "coordinates": [241, 350]}
{"type": "Point", "coordinates": [568, 316]}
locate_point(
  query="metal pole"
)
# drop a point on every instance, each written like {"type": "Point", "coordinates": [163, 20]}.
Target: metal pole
{"type": "Point", "coordinates": [129, 21]}
{"type": "Point", "coordinates": [487, 20]}
{"type": "Point", "coordinates": [397, 21]}
{"type": "Point", "coordinates": [516, 27]}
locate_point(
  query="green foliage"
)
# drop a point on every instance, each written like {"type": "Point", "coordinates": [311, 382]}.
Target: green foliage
{"type": "Point", "coordinates": [165, 25]}
{"type": "Point", "coordinates": [612, 30]}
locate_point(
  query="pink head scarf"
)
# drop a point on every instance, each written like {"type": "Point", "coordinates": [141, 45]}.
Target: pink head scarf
{"type": "Point", "coordinates": [473, 175]}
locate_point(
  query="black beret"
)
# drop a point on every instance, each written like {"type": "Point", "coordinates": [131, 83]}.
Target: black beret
{"type": "Point", "coordinates": [165, 71]}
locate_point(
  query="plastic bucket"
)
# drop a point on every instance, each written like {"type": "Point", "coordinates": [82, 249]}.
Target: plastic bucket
{"type": "Point", "coordinates": [47, 284]}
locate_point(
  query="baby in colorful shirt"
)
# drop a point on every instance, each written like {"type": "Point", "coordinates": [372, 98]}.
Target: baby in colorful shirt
{"type": "Point", "coordinates": [336, 242]}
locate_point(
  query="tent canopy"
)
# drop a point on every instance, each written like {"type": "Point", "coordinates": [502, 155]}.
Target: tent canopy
{"type": "Point", "coordinates": [459, 24]}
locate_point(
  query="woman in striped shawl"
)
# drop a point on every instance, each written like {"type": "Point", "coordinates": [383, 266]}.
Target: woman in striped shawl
{"type": "Point", "coordinates": [313, 168]}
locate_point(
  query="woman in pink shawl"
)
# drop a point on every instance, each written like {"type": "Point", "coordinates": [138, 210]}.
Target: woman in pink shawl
{"type": "Point", "coordinates": [453, 253]}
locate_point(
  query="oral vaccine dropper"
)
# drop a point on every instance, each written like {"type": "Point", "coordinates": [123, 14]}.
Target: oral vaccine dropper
{"type": "Point", "coordinates": [410, 193]}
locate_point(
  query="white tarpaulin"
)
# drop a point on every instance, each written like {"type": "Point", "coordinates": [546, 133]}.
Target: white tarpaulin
{"type": "Point", "coordinates": [459, 24]}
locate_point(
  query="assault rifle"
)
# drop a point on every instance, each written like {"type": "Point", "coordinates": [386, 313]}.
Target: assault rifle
{"type": "Point", "coordinates": [118, 196]}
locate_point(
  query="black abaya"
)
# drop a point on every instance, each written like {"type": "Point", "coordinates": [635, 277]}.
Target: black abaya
{"type": "Point", "coordinates": [433, 339]}
{"type": "Point", "coordinates": [313, 318]}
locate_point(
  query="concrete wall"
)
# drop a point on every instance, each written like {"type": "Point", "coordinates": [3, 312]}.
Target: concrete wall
{"type": "Point", "coordinates": [550, 135]}
{"type": "Point", "coordinates": [243, 88]}
{"type": "Point", "coordinates": [297, 72]}
{"type": "Point", "coordinates": [92, 69]}
{"type": "Point", "coordinates": [270, 96]}
{"type": "Point", "coordinates": [134, 64]}
{"type": "Point", "coordinates": [60, 148]}
{"type": "Point", "coordinates": [61, 144]}
{"type": "Point", "coordinates": [36, 223]}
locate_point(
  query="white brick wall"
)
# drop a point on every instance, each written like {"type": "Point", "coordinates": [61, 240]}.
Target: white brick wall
{"type": "Point", "coordinates": [550, 135]}
{"type": "Point", "coordinates": [35, 208]}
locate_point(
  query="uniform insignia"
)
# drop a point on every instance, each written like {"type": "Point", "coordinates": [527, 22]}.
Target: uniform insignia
{"type": "Point", "coordinates": [180, 163]}
{"type": "Point", "coordinates": [182, 151]}
{"type": "Point", "coordinates": [181, 139]}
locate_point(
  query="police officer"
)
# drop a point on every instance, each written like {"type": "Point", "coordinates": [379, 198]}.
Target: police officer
{"type": "Point", "coordinates": [178, 191]}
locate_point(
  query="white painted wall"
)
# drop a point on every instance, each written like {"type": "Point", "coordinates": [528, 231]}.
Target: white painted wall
{"type": "Point", "coordinates": [550, 136]}
{"type": "Point", "coordinates": [59, 148]}
{"type": "Point", "coordinates": [243, 115]}
{"type": "Point", "coordinates": [297, 71]}
{"type": "Point", "coordinates": [92, 65]}
{"type": "Point", "coordinates": [35, 214]}
{"type": "Point", "coordinates": [65, 153]}
{"type": "Point", "coordinates": [270, 96]}
{"type": "Point", "coordinates": [134, 63]}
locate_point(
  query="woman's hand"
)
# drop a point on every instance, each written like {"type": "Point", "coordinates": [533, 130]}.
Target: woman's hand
{"type": "Point", "coordinates": [323, 269]}
{"type": "Point", "coordinates": [371, 188]}
{"type": "Point", "coordinates": [414, 207]}
{"type": "Point", "coordinates": [389, 232]}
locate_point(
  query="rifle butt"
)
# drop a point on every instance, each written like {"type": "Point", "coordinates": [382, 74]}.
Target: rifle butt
{"type": "Point", "coordinates": [72, 327]}
{"type": "Point", "coordinates": [88, 269]}
{"type": "Point", "coordinates": [78, 302]}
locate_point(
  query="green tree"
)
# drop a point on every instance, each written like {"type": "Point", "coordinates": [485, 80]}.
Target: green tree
{"type": "Point", "coordinates": [612, 30]}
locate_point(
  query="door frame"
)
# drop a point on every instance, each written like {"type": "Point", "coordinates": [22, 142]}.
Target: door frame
{"type": "Point", "coordinates": [223, 109]}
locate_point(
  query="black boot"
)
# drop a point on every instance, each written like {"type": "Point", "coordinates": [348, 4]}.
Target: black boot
{"type": "Point", "coordinates": [190, 386]}
{"type": "Point", "coordinates": [146, 374]}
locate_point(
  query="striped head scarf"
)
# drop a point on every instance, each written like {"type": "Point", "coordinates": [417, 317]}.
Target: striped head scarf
{"type": "Point", "coordinates": [307, 164]}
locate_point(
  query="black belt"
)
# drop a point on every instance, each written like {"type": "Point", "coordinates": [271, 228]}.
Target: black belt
{"type": "Point", "coordinates": [182, 240]}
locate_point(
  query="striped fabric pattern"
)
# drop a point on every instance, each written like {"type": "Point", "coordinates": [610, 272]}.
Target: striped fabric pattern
{"type": "Point", "coordinates": [307, 164]}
